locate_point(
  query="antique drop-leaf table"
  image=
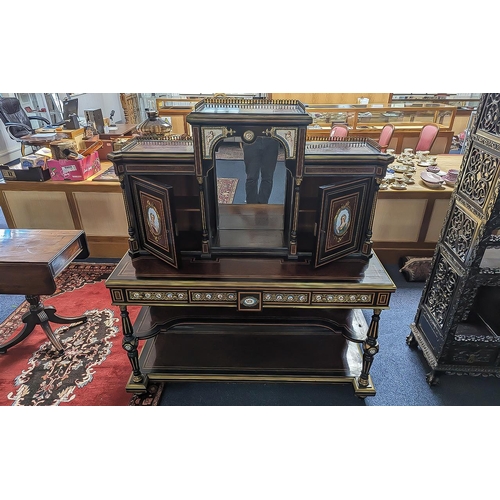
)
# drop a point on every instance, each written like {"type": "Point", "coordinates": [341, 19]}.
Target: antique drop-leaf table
{"type": "Point", "coordinates": [30, 259]}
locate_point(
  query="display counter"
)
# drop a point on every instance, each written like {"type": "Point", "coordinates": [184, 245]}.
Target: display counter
{"type": "Point", "coordinates": [176, 110]}
{"type": "Point", "coordinates": [406, 222]}
{"type": "Point", "coordinates": [94, 206]}
{"type": "Point", "coordinates": [368, 121]}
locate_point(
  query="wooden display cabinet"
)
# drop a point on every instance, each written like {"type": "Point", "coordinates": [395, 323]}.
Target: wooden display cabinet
{"type": "Point", "coordinates": [333, 97]}
{"type": "Point", "coordinates": [176, 109]}
{"type": "Point", "coordinates": [464, 100]}
{"type": "Point", "coordinates": [176, 181]}
{"type": "Point", "coordinates": [466, 104]}
{"type": "Point", "coordinates": [235, 274]}
{"type": "Point", "coordinates": [368, 121]}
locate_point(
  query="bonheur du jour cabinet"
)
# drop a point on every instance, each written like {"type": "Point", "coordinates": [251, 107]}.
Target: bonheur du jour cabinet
{"type": "Point", "coordinates": [269, 290]}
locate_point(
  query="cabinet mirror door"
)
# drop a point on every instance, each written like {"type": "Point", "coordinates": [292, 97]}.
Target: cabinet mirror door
{"type": "Point", "coordinates": [156, 224]}
{"type": "Point", "coordinates": [341, 220]}
{"type": "Point", "coordinates": [251, 183]}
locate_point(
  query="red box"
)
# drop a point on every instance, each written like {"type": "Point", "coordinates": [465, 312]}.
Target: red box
{"type": "Point", "coordinates": [74, 170]}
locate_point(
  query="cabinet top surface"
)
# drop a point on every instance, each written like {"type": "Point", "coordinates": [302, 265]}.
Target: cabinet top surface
{"type": "Point", "coordinates": [341, 147]}
{"type": "Point", "coordinates": [247, 106]}
{"type": "Point", "coordinates": [147, 271]}
{"type": "Point", "coordinates": [159, 146]}
{"type": "Point", "coordinates": [348, 146]}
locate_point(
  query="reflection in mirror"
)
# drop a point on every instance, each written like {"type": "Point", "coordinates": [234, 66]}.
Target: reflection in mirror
{"type": "Point", "coordinates": [251, 183]}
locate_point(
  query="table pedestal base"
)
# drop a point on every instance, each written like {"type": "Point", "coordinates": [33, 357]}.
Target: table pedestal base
{"type": "Point", "coordinates": [40, 315]}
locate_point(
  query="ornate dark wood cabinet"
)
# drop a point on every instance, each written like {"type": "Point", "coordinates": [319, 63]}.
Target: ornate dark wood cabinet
{"type": "Point", "coordinates": [240, 291]}
{"type": "Point", "coordinates": [457, 324]}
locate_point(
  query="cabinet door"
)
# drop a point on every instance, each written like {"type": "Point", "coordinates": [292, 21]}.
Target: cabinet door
{"type": "Point", "coordinates": [155, 219]}
{"type": "Point", "coordinates": [342, 215]}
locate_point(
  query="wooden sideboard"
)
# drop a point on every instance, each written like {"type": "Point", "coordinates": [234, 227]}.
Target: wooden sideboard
{"type": "Point", "coordinates": [94, 206]}
{"type": "Point", "coordinates": [406, 222]}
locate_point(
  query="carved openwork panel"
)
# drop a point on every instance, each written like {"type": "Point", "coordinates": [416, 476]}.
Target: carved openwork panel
{"type": "Point", "coordinates": [490, 119]}
{"type": "Point", "coordinates": [460, 302]}
{"type": "Point", "coordinates": [460, 232]}
{"type": "Point", "coordinates": [444, 285]}
{"type": "Point", "coordinates": [477, 180]}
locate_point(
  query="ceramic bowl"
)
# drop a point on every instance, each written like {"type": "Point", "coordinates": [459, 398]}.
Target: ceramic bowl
{"type": "Point", "coordinates": [433, 169]}
{"type": "Point", "coordinates": [431, 180]}
{"type": "Point", "coordinates": [433, 185]}
{"type": "Point", "coordinates": [450, 181]}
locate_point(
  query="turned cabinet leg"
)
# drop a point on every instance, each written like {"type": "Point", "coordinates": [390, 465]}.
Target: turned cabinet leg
{"type": "Point", "coordinates": [370, 348]}
{"type": "Point", "coordinates": [411, 341]}
{"type": "Point", "coordinates": [432, 378]}
{"type": "Point", "coordinates": [130, 343]}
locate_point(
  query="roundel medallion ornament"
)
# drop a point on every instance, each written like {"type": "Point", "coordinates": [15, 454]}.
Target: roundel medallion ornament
{"type": "Point", "coordinates": [248, 136]}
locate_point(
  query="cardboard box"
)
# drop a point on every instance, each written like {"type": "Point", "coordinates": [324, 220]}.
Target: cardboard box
{"type": "Point", "coordinates": [33, 161]}
{"type": "Point", "coordinates": [71, 134]}
{"type": "Point", "coordinates": [76, 135]}
{"type": "Point", "coordinates": [107, 146]}
{"type": "Point", "coordinates": [74, 170]}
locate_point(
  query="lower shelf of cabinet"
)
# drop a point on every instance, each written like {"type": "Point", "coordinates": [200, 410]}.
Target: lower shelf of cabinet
{"type": "Point", "coordinates": [473, 349]}
{"type": "Point", "coordinates": [246, 353]}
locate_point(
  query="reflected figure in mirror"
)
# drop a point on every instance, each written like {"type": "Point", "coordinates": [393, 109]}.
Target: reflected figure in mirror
{"type": "Point", "coordinates": [260, 161]}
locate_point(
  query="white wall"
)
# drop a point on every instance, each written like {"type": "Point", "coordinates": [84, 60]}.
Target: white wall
{"type": "Point", "coordinates": [105, 102]}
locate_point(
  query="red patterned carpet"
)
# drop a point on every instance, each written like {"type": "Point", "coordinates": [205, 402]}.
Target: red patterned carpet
{"type": "Point", "coordinates": [226, 189]}
{"type": "Point", "coordinates": [93, 370]}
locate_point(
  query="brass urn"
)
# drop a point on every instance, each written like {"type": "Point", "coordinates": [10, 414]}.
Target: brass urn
{"type": "Point", "coordinates": [154, 127]}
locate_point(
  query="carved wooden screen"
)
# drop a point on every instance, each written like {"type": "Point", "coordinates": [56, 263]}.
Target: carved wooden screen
{"type": "Point", "coordinates": [452, 324]}
{"type": "Point", "coordinates": [130, 105]}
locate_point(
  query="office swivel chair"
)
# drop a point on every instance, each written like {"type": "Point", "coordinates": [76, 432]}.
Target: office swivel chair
{"type": "Point", "coordinates": [17, 121]}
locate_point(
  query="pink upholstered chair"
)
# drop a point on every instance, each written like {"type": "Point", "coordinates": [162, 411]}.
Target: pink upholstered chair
{"type": "Point", "coordinates": [339, 130]}
{"type": "Point", "coordinates": [385, 136]}
{"type": "Point", "coordinates": [427, 136]}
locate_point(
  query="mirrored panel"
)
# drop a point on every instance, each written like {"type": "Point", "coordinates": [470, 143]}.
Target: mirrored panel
{"type": "Point", "coordinates": [251, 184]}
